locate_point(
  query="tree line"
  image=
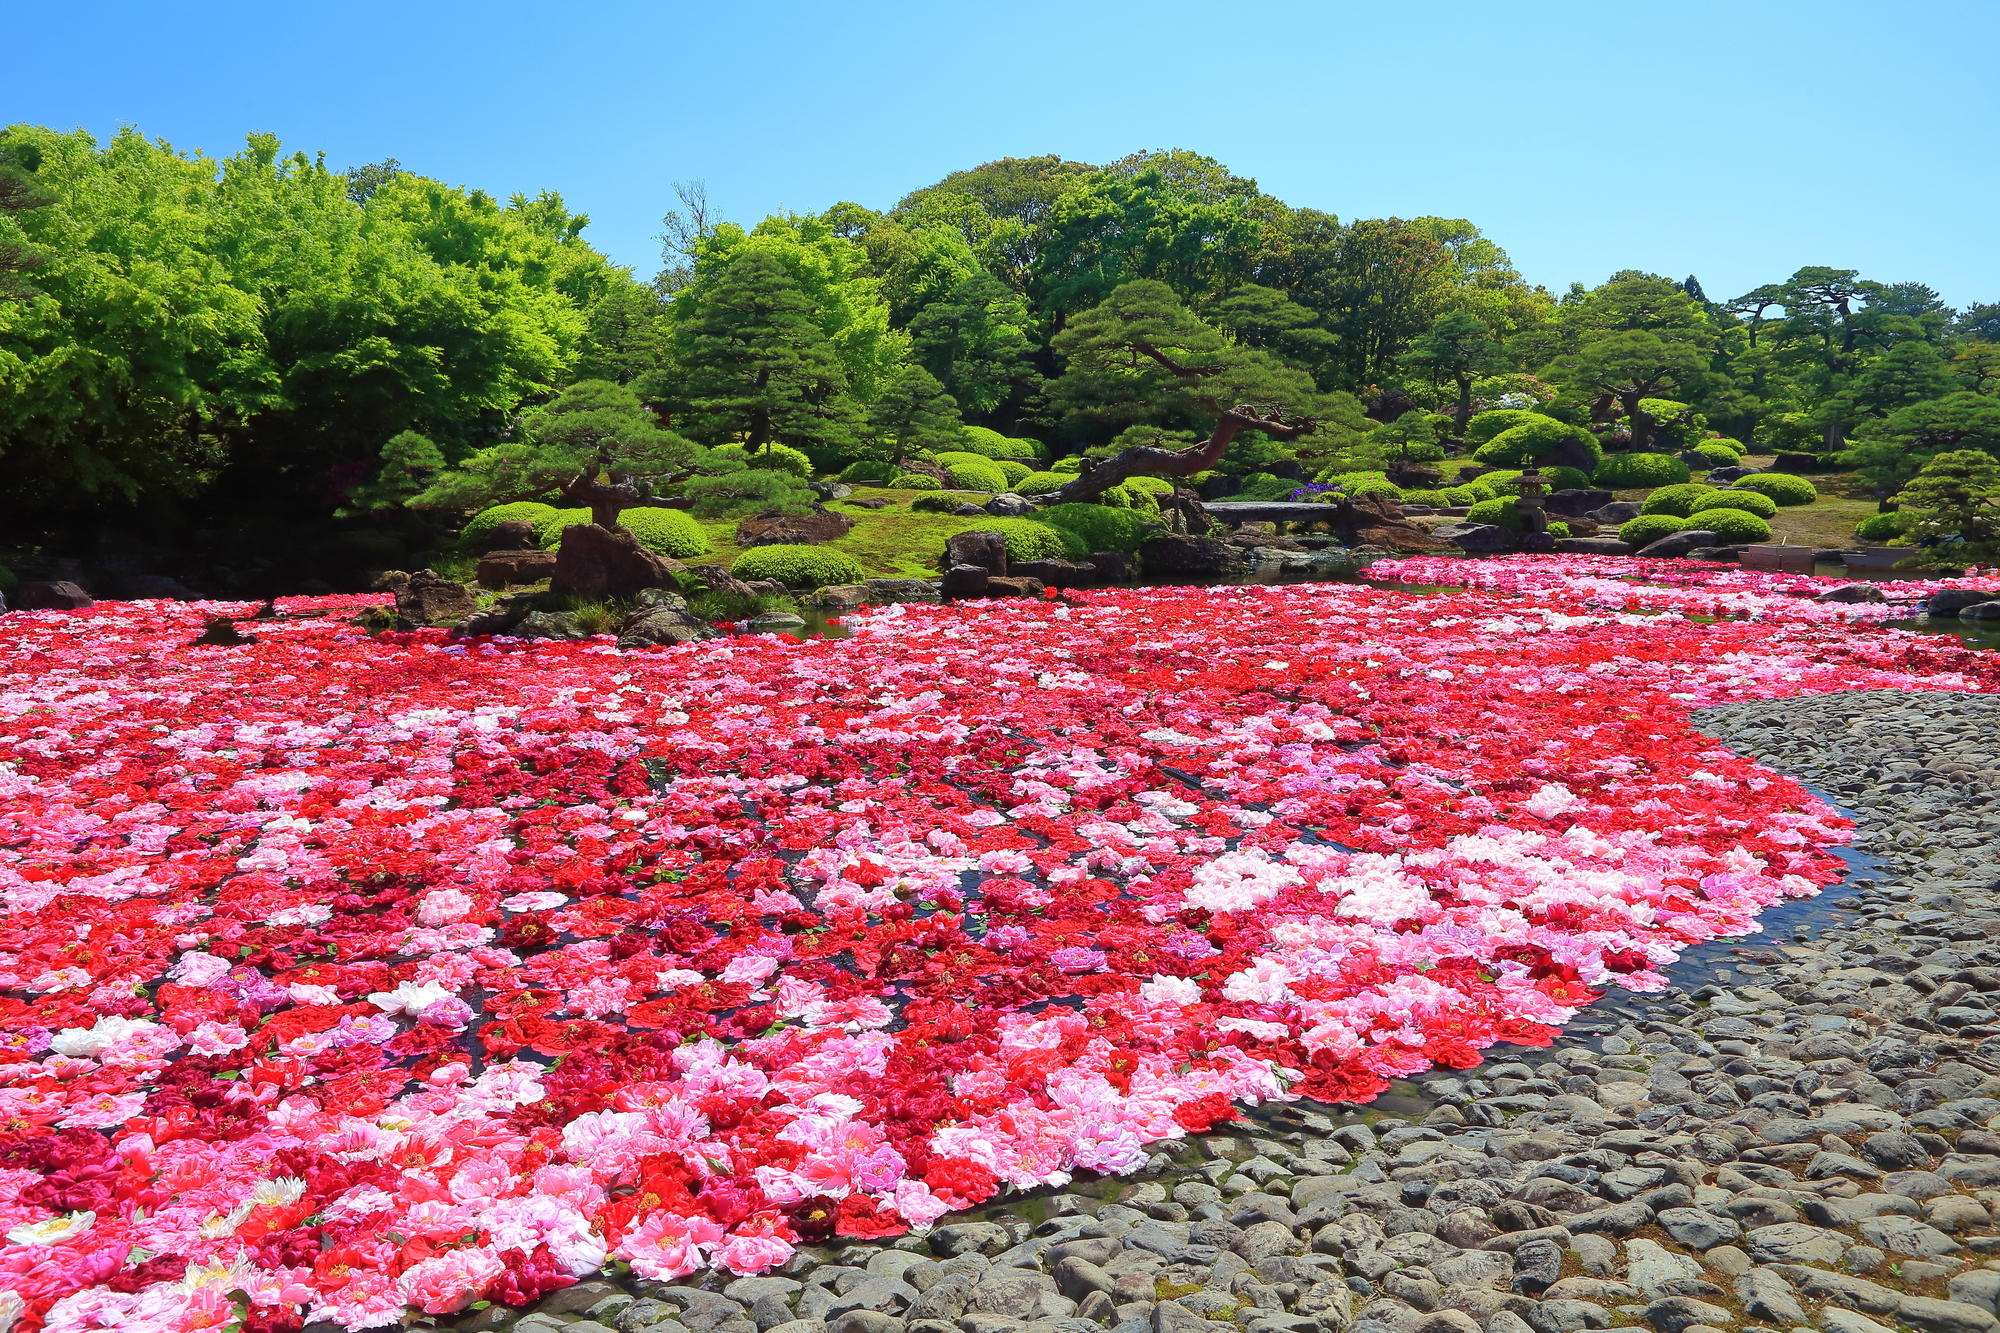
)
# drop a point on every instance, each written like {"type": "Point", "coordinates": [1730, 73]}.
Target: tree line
{"type": "Point", "coordinates": [234, 342]}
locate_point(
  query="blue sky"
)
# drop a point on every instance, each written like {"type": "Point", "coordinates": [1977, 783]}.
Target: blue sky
{"type": "Point", "coordinates": [1735, 141]}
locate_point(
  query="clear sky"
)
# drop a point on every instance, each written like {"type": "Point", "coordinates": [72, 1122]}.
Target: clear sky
{"type": "Point", "coordinates": [1736, 140]}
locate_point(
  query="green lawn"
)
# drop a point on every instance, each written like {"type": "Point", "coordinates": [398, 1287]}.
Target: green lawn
{"type": "Point", "coordinates": [890, 543]}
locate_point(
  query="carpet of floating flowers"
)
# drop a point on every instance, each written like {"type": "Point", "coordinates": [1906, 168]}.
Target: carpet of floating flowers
{"type": "Point", "coordinates": [341, 975]}
{"type": "Point", "coordinates": [1692, 587]}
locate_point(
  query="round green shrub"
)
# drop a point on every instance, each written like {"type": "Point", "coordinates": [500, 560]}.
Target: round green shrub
{"type": "Point", "coordinates": [1732, 526]}
{"type": "Point", "coordinates": [1879, 527]}
{"type": "Point", "coordinates": [1012, 471]}
{"type": "Point", "coordinates": [1485, 425]}
{"type": "Point", "coordinates": [1147, 482]}
{"type": "Point", "coordinates": [1117, 497]}
{"type": "Point", "coordinates": [869, 469]}
{"type": "Point", "coordinates": [798, 566]}
{"type": "Point", "coordinates": [1097, 527]}
{"type": "Point", "coordinates": [1536, 439]}
{"type": "Point", "coordinates": [1558, 529]}
{"type": "Point", "coordinates": [1566, 478]}
{"type": "Point", "coordinates": [1067, 466]}
{"type": "Point", "coordinates": [1500, 513]}
{"type": "Point", "coordinates": [1716, 454]}
{"type": "Point", "coordinates": [1649, 528]}
{"type": "Point", "coordinates": [1736, 447]}
{"type": "Point", "coordinates": [1678, 500]}
{"type": "Point", "coordinates": [977, 475]}
{"type": "Point", "coordinates": [549, 529]}
{"type": "Point", "coordinates": [1630, 472]}
{"type": "Point", "coordinates": [521, 511]}
{"type": "Point", "coordinates": [1264, 486]}
{"type": "Point", "coordinates": [776, 457]}
{"type": "Point", "coordinates": [666, 532]}
{"type": "Point", "coordinates": [1042, 483]}
{"type": "Point", "coordinates": [989, 443]}
{"type": "Point", "coordinates": [941, 502]}
{"type": "Point", "coordinates": [1028, 539]}
{"type": "Point", "coordinates": [1786, 490]}
{"type": "Point", "coordinates": [1763, 506]}
{"type": "Point", "coordinates": [1374, 486]}
{"type": "Point", "coordinates": [1462, 495]}
{"type": "Point", "coordinates": [916, 481]}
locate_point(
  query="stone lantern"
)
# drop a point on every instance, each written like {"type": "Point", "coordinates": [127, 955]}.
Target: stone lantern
{"type": "Point", "coordinates": [1533, 486]}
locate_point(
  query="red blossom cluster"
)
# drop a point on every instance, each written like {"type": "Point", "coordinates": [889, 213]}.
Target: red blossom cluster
{"type": "Point", "coordinates": [340, 975]}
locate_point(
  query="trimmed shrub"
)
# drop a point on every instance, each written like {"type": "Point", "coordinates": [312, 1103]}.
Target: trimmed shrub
{"type": "Point", "coordinates": [1068, 467]}
{"type": "Point", "coordinates": [1533, 440]}
{"type": "Point", "coordinates": [1501, 513]}
{"type": "Point", "coordinates": [521, 511]}
{"type": "Point", "coordinates": [747, 490]}
{"type": "Point", "coordinates": [1732, 526]}
{"type": "Point", "coordinates": [1879, 527]}
{"type": "Point", "coordinates": [1786, 490]}
{"type": "Point", "coordinates": [1763, 506]}
{"type": "Point", "coordinates": [989, 443]}
{"type": "Point", "coordinates": [666, 532]}
{"type": "Point", "coordinates": [943, 502]}
{"type": "Point", "coordinates": [1264, 486]}
{"type": "Point", "coordinates": [1144, 482]}
{"type": "Point", "coordinates": [549, 529]}
{"type": "Point", "coordinates": [1031, 540]}
{"type": "Point", "coordinates": [1736, 447]}
{"type": "Point", "coordinates": [1485, 425]}
{"type": "Point", "coordinates": [977, 475]}
{"type": "Point", "coordinates": [1649, 528]}
{"type": "Point", "coordinates": [773, 457]}
{"type": "Point", "coordinates": [1558, 529]}
{"type": "Point", "coordinates": [1716, 454]}
{"type": "Point", "coordinates": [916, 481]}
{"type": "Point", "coordinates": [798, 566]}
{"type": "Point", "coordinates": [1566, 478]}
{"type": "Point", "coordinates": [1677, 500]}
{"type": "Point", "coordinates": [1012, 471]}
{"type": "Point", "coordinates": [869, 469]}
{"type": "Point", "coordinates": [1042, 483]}
{"type": "Point", "coordinates": [1627, 472]}
{"type": "Point", "coordinates": [1462, 495]}
{"type": "Point", "coordinates": [1097, 527]}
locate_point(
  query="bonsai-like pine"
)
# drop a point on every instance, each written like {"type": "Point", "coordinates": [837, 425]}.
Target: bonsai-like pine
{"type": "Point", "coordinates": [1633, 366]}
{"type": "Point", "coordinates": [913, 415]}
{"type": "Point", "coordinates": [1952, 510]}
{"type": "Point", "coordinates": [1459, 348]}
{"type": "Point", "coordinates": [1141, 346]}
{"type": "Point", "coordinates": [595, 443]}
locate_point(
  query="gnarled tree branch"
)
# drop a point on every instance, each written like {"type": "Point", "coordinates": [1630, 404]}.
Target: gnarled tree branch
{"type": "Point", "coordinates": [1148, 460]}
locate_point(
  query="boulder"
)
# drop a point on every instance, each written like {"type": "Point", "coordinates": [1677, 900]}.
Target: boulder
{"type": "Point", "coordinates": [1113, 566]}
{"type": "Point", "coordinates": [967, 510]}
{"type": "Point", "coordinates": [831, 490]}
{"type": "Point", "coordinates": [1220, 485]}
{"type": "Point", "coordinates": [514, 566]}
{"type": "Point", "coordinates": [775, 529]}
{"type": "Point", "coordinates": [841, 596]}
{"type": "Point", "coordinates": [1853, 592]}
{"type": "Point", "coordinates": [57, 596]}
{"type": "Point", "coordinates": [1795, 1243]}
{"type": "Point", "coordinates": [1936, 1316]}
{"type": "Point", "coordinates": [1414, 478]}
{"type": "Point", "coordinates": [1010, 586]}
{"type": "Point", "coordinates": [1175, 553]}
{"type": "Point", "coordinates": [1478, 538]}
{"type": "Point", "coordinates": [1577, 502]}
{"type": "Point", "coordinates": [1675, 1313]}
{"type": "Point", "coordinates": [986, 550]}
{"type": "Point", "coordinates": [547, 625]}
{"type": "Point", "coordinates": [1008, 505]}
{"type": "Point", "coordinates": [1378, 520]}
{"type": "Point", "coordinates": [1618, 511]}
{"type": "Point", "coordinates": [513, 535]}
{"type": "Point", "coordinates": [1715, 553]}
{"type": "Point", "coordinates": [1679, 543]}
{"type": "Point", "coordinates": [715, 579]}
{"type": "Point", "coordinates": [1697, 1228]}
{"type": "Point", "coordinates": [1981, 611]}
{"type": "Point", "coordinates": [1593, 546]}
{"type": "Point", "coordinates": [662, 624]}
{"type": "Point", "coordinates": [882, 592]}
{"type": "Point", "coordinates": [1951, 601]}
{"type": "Point", "coordinates": [964, 581]}
{"type": "Point", "coordinates": [1768, 1297]}
{"type": "Point", "coordinates": [1797, 464]}
{"type": "Point", "coordinates": [430, 598]}
{"type": "Point", "coordinates": [598, 564]}
{"type": "Point", "coordinates": [1057, 573]}
{"type": "Point", "coordinates": [1724, 476]}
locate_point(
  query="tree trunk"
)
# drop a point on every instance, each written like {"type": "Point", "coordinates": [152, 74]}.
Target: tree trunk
{"type": "Point", "coordinates": [1146, 460]}
{"type": "Point", "coordinates": [1464, 401]}
{"type": "Point", "coordinates": [1642, 422]}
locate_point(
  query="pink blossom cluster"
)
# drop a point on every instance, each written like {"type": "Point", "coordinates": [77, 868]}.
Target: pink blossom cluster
{"type": "Point", "coordinates": [344, 975]}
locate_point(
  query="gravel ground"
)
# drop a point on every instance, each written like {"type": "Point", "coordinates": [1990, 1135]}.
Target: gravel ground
{"type": "Point", "coordinates": [1814, 1149]}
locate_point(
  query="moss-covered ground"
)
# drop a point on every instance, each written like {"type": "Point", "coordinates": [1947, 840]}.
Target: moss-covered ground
{"type": "Point", "coordinates": [893, 542]}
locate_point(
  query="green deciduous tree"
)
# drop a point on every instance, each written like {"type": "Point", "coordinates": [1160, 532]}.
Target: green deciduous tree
{"type": "Point", "coordinates": [596, 443]}
{"type": "Point", "coordinates": [977, 340]}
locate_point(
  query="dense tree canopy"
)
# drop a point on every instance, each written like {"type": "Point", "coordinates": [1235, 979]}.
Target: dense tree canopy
{"type": "Point", "coordinates": [260, 344]}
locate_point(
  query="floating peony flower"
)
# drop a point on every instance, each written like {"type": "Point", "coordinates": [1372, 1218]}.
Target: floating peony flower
{"type": "Point", "coordinates": [55, 1231]}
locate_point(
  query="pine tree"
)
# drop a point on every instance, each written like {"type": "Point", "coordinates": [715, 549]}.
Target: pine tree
{"type": "Point", "coordinates": [753, 365]}
{"type": "Point", "coordinates": [975, 342]}
{"type": "Point", "coordinates": [914, 412]}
